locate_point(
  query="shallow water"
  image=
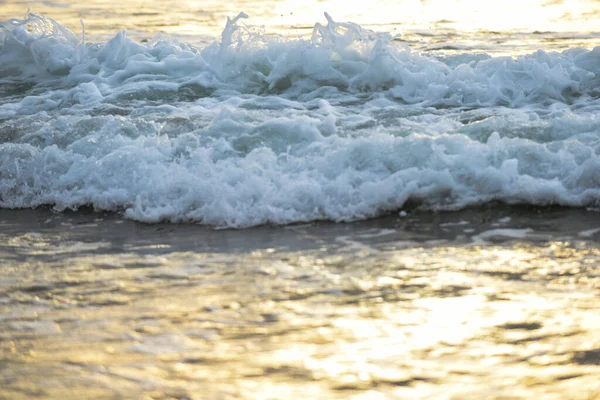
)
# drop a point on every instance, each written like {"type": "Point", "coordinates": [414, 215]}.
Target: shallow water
{"type": "Point", "coordinates": [428, 115]}
{"type": "Point", "coordinates": [493, 303]}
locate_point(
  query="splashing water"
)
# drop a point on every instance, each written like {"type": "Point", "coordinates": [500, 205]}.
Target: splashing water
{"type": "Point", "coordinates": [264, 129]}
{"type": "Point", "coordinates": [344, 123]}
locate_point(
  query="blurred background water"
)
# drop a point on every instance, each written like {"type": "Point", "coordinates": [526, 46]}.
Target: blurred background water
{"type": "Point", "coordinates": [507, 27]}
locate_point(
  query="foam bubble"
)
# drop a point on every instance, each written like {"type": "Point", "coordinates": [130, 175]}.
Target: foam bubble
{"type": "Point", "coordinates": [257, 129]}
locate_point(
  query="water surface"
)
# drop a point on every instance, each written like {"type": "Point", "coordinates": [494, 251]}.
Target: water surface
{"type": "Point", "coordinates": [463, 137]}
{"type": "Point", "coordinates": [499, 303]}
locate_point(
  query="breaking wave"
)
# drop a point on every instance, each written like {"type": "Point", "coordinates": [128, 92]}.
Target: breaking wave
{"type": "Point", "coordinates": [258, 128]}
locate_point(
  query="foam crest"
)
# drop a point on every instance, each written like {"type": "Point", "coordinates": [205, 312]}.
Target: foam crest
{"type": "Point", "coordinates": [258, 129]}
{"type": "Point", "coordinates": [36, 45]}
{"type": "Point", "coordinates": [339, 55]}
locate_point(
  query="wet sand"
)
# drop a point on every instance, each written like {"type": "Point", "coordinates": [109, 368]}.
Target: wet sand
{"type": "Point", "coordinates": [494, 302]}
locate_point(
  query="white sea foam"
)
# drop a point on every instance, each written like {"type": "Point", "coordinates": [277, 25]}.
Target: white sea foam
{"type": "Point", "coordinates": [258, 129]}
{"type": "Point", "coordinates": [483, 237]}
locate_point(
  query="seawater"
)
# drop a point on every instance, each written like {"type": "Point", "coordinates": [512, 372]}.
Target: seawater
{"type": "Point", "coordinates": [252, 128]}
{"type": "Point", "coordinates": [223, 122]}
{"type": "Point", "coordinates": [501, 303]}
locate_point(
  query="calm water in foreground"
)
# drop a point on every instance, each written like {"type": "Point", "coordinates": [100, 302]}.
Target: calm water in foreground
{"type": "Point", "coordinates": [488, 303]}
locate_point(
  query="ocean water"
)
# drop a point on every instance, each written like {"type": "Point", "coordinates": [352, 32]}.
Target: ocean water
{"type": "Point", "coordinates": [344, 124]}
{"type": "Point", "coordinates": [414, 187]}
{"type": "Point", "coordinates": [498, 303]}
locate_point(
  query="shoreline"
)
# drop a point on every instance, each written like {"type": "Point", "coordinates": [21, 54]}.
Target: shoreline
{"type": "Point", "coordinates": [546, 223]}
{"type": "Point", "coordinates": [421, 306]}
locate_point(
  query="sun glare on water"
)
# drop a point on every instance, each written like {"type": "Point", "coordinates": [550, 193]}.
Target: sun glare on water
{"type": "Point", "coordinates": [461, 15]}
{"type": "Point", "coordinates": [388, 190]}
{"type": "Point", "coordinates": [292, 18]}
{"type": "Point", "coordinates": [415, 323]}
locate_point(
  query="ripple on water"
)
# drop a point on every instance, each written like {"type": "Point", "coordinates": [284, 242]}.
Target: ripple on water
{"type": "Point", "coordinates": [474, 320]}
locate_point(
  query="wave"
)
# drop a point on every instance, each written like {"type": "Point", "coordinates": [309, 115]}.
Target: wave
{"type": "Point", "coordinates": [258, 128]}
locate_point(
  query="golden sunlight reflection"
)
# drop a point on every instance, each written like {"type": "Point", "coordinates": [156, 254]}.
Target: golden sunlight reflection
{"type": "Point", "coordinates": [490, 302]}
{"type": "Point", "coordinates": [508, 27]}
{"type": "Point", "coordinates": [461, 15]}
{"type": "Point", "coordinates": [411, 323]}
